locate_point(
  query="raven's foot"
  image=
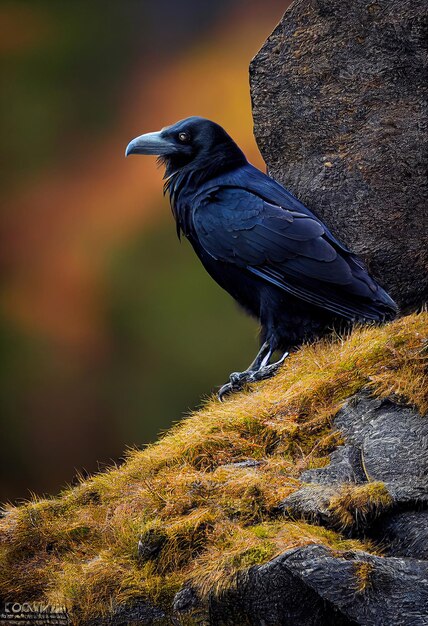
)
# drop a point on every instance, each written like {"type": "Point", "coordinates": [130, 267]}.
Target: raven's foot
{"type": "Point", "coordinates": [238, 380]}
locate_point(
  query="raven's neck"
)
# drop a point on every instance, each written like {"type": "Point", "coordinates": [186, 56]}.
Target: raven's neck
{"type": "Point", "coordinates": [184, 183]}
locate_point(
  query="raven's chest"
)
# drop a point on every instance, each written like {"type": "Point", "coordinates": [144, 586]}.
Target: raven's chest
{"type": "Point", "coordinates": [184, 205]}
{"type": "Point", "coordinates": [182, 198]}
{"type": "Point", "coordinates": [183, 213]}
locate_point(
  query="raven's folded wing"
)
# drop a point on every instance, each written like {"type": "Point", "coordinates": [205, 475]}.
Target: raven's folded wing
{"type": "Point", "coordinates": [288, 249]}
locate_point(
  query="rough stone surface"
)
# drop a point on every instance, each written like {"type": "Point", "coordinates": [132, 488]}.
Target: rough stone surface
{"type": "Point", "coordinates": [345, 466]}
{"type": "Point", "coordinates": [339, 94]}
{"type": "Point", "coordinates": [384, 442]}
{"type": "Point", "coordinates": [312, 587]}
{"type": "Point", "coordinates": [185, 600]}
{"type": "Point", "coordinates": [404, 534]}
{"type": "Point", "coordinates": [311, 503]}
{"type": "Point", "coordinates": [391, 591]}
{"type": "Point", "coordinates": [388, 443]}
{"type": "Point", "coordinates": [272, 595]}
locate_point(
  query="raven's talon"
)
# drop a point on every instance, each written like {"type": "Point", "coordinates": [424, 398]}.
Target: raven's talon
{"type": "Point", "coordinates": [236, 379]}
{"type": "Point", "coordinates": [236, 383]}
{"type": "Point", "coordinates": [225, 390]}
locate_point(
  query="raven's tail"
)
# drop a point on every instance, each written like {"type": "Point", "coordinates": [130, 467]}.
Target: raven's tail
{"type": "Point", "coordinates": [376, 304]}
{"type": "Point", "coordinates": [382, 306]}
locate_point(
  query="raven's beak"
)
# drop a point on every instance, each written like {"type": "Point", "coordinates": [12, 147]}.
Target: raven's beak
{"type": "Point", "coordinates": [150, 143]}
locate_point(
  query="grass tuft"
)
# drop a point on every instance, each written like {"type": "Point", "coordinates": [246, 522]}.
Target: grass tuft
{"type": "Point", "coordinates": [355, 504]}
{"type": "Point", "coordinates": [363, 573]}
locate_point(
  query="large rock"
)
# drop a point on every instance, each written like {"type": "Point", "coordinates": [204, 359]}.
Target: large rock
{"type": "Point", "coordinates": [339, 95]}
{"type": "Point", "coordinates": [310, 586]}
{"type": "Point", "coordinates": [376, 486]}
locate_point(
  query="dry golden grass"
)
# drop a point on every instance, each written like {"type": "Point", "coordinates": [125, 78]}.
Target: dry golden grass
{"type": "Point", "coordinates": [363, 573]}
{"type": "Point", "coordinates": [355, 503]}
{"type": "Point", "coordinates": [201, 518]}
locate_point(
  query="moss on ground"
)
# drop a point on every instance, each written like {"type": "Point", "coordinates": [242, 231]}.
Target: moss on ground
{"type": "Point", "coordinates": [199, 517]}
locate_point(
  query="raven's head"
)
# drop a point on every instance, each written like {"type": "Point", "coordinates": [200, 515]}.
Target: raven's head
{"type": "Point", "coordinates": [193, 143]}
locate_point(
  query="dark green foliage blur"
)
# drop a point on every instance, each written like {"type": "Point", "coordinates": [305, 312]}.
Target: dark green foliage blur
{"type": "Point", "coordinates": [76, 76]}
{"type": "Point", "coordinates": [175, 333]}
{"type": "Point", "coordinates": [58, 88]}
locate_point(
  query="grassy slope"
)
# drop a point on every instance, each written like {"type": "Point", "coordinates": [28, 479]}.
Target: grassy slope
{"type": "Point", "coordinates": [200, 518]}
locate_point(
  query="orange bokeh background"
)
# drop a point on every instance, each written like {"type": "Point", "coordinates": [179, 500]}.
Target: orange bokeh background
{"type": "Point", "coordinates": [65, 221]}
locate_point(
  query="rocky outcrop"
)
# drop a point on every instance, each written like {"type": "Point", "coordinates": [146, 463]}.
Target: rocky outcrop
{"type": "Point", "coordinates": [383, 442]}
{"type": "Point", "coordinates": [299, 502]}
{"type": "Point", "coordinates": [339, 98]}
{"type": "Point", "coordinates": [375, 486]}
{"type": "Point", "coordinates": [312, 587]}
{"type": "Point", "coordinates": [339, 94]}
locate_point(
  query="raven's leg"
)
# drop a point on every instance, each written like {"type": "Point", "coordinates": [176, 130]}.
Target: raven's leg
{"type": "Point", "coordinates": [266, 371]}
{"type": "Point", "coordinates": [258, 370]}
{"type": "Point", "coordinates": [262, 357]}
{"type": "Point", "coordinates": [238, 379]}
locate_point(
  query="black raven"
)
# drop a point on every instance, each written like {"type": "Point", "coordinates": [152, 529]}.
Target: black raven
{"type": "Point", "coordinates": [262, 245]}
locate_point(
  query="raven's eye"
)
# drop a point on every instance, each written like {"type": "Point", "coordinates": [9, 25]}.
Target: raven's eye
{"type": "Point", "coordinates": [184, 137]}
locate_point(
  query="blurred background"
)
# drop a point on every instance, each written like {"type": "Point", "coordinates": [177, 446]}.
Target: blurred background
{"type": "Point", "coordinates": [110, 329]}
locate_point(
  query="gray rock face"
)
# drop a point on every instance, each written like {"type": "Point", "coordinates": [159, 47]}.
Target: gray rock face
{"type": "Point", "coordinates": [313, 586]}
{"type": "Point", "coordinates": [390, 444]}
{"type": "Point", "coordinates": [393, 444]}
{"type": "Point", "coordinates": [274, 595]}
{"type": "Point", "coordinates": [384, 442]}
{"type": "Point", "coordinates": [404, 534]}
{"type": "Point", "coordinates": [374, 591]}
{"type": "Point", "coordinates": [339, 94]}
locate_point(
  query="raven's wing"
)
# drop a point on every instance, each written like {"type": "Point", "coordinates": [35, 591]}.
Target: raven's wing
{"type": "Point", "coordinates": [289, 249]}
